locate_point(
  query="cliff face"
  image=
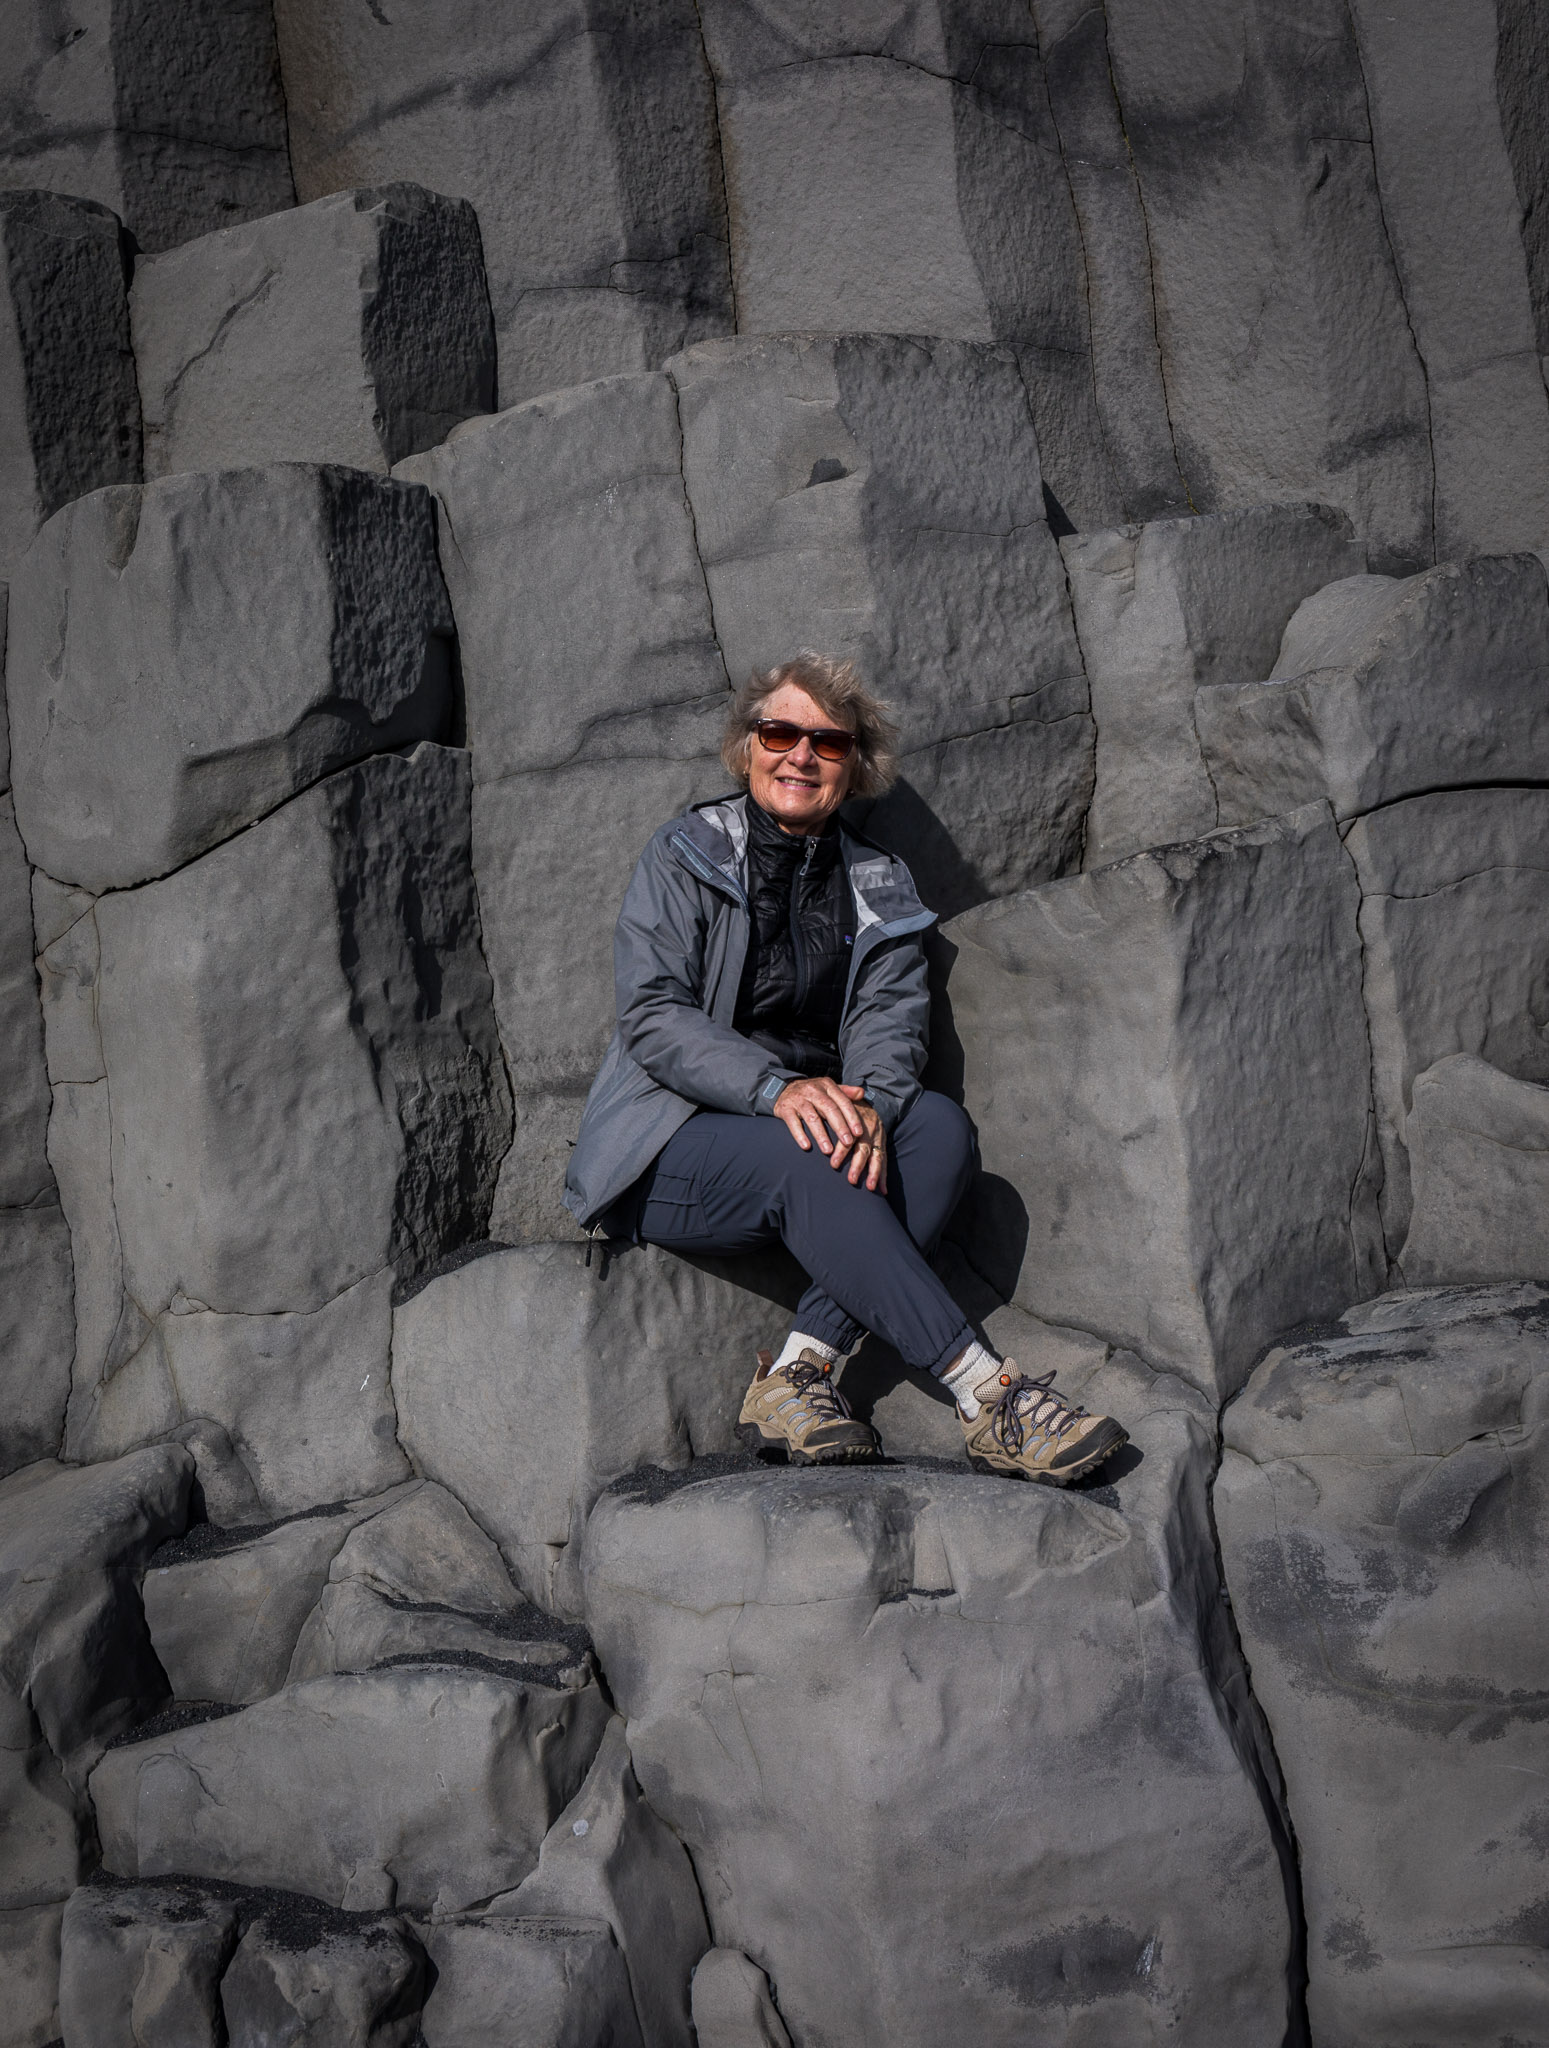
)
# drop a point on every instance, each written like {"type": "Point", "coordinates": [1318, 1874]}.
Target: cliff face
{"type": "Point", "coordinates": [412, 423]}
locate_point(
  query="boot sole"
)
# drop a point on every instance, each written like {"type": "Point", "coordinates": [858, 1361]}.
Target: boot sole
{"type": "Point", "coordinates": [774, 1448]}
{"type": "Point", "coordinates": [1099, 1455]}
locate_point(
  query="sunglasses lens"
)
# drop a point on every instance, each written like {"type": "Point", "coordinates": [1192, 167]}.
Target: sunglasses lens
{"type": "Point", "coordinates": [832, 746]}
{"type": "Point", "coordinates": [778, 737]}
{"type": "Point", "coordinates": [828, 743]}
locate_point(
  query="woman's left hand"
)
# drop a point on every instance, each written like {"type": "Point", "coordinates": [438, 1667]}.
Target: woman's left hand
{"type": "Point", "coordinates": [867, 1154]}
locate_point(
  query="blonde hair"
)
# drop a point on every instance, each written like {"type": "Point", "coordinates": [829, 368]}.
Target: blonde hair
{"type": "Point", "coordinates": [839, 692]}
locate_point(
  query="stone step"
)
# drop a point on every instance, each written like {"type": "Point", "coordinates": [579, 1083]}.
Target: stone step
{"type": "Point", "coordinates": [426, 1787]}
{"type": "Point", "coordinates": [1382, 1511]}
{"type": "Point", "coordinates": [1006, 1725]}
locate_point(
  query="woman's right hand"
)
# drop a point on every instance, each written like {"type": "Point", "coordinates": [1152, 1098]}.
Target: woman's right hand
{"type": "Point", "coordinates": [812, 1110]}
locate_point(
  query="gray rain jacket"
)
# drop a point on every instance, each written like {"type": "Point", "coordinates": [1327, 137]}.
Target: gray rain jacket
{"type": "Point", "coordinates": [678, 951]}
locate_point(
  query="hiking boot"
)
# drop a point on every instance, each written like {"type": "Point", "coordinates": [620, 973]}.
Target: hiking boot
{"type": "Point", "coordinates": [1026, 1431]}
{"type": "Point", "coordinates": [799, 1410]}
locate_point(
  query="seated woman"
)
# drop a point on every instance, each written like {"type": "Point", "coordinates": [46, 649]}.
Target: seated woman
{"type": "Point", "coordinates": [764, 1082]}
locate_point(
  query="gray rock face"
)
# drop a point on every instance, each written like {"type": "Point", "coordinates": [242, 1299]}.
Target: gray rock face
{"type": "Point", "coordinates": [141, 1965]}
{"type": "Point", "coordinates": [35, 1267]}
{"type": "Point", "coordinates": [1381, 1511]}
{"type": "Point", "coordinates": [1290, 365]}
{"type": "Point", "coordinates": [595, 693]}
{"type": "Point", "coordinates": [608, 1857]}
{"type": "Point", "coordinates": [421, 1788]}
{"type": "Point", "coordinates": [840, 1687]}
{"type": "Point", "coordinates": [1455, 896]}
{"type": "Point", "coordinates": [1163, 610]}
{"type": "Point", "coordinates": [1430, 71]}
{"type": "Point", "coordinates": [1522, 48]}
{"type": "Point", "coordinates": [354, 330]}
{"type": "Point", "coordinates": [244, 1240]}
{"type": "Point", "coordinates": [359, 1990]}
{"type": "Point", "coordinates": [69, 412]}
{"type": "Point", "coordinates": [566, 1979]}
{"type": "Point", "coordinates": [1130, 397]}
{"type": "Point", "coordinates": [76, 1663]}
{"type": "Point", "coordinates": [527, 1381]}
{"type": "Point", "coordinates": [930, 174]}
{"type": "Point", "coordinates": [185, 657]}
{"type": "Point", "coordinates": [584, 135]}
{"type": "Point", "coordinates": [225, 1622]}
{"type": "Point", "coordinates": [732, 2006]}
{"type": "Point", "coordinates": [1385, 688]}
{"type": "Point", "coordinates": [29, 1965]}
{"type": "Point", "coordinates": [1478, 1145]}
{"type": "Point", "coordinates": [1167, 1063]}
{"type": "Point", "coordinates": [880, 498]}
{"type": "Point", "coordinates": [170, 114]}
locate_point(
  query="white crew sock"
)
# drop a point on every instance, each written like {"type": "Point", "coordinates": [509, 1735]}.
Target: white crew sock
{"type": "Point", "coordinates": [971, 1371]}
{"type": "Point", "coordinates": [796, 1344]}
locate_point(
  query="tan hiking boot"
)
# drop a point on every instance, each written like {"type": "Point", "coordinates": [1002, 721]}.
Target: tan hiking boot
{"type": "Point", "coordinates": [800, 1410]}
{"type": "Point", "coordinates": [1026, 1431]}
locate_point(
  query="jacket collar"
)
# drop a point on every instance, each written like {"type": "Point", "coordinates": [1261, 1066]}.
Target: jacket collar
{"type": "Point", "coordinates": [711, 839]}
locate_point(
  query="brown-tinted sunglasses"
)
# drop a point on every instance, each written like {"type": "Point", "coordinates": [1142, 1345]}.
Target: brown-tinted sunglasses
{"type": "Point", "coordinates": [829, 742]}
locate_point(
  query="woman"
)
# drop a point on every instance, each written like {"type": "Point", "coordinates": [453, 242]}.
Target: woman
{"type": "Point", "coordinates": [764, 1082]}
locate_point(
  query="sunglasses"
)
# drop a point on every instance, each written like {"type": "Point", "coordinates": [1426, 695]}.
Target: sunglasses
{"type": "Point", "coordinates": [829, 742]}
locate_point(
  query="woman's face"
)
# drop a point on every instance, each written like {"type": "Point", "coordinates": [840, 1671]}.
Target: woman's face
{"type": "Point", "coordinates": [797, 788]}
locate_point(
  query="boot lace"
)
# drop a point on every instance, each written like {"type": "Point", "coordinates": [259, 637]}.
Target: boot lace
{"type": "Point", "coordinates": [814, 1385]}
{"type": "Point", "coordinates": [1029, 1408]}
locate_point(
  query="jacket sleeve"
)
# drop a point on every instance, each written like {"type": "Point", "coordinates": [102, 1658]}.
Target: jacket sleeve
{"type": "Point", "coordinates": [659, 976]}
{"type": "Point", "coordinates": [887, 1031]}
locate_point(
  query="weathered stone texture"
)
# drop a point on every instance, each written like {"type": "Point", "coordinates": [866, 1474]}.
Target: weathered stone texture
{"type": "Point", "coordinates": [1521, 60]}
{"type": "Point", "coordinates": [850, 1693]}
{"type": "Point", "coordinates": [304, 1097]}
{"type": "Point", "coordinates": [526, 1381]}
{"type": "Point", "coordinates": [1290, 366]}
{"type": "Point", "coordinates": [425, 1788]}
{"type": "Point", "coordinates": [1163, 610]}
{"type": "Point", "coordinates": [142, 1964]}
{"type": "Point", "coordinates": [1384, 688]}
{"type": "Point", "coordinates": [594, 693]}
{"type": "Point", "coordinates": [1167, 1063]}
{"type": "Point", "coordinates": [565, 1977]}
{"type": "Point", "coordinates": [928, 196]}
{"type": "Point", "coordinates": [1455, 928]}
{"type": "Point", "coordinates": [355, 330]}
{"type": "Point", "coordinates": [732, 2005]}
{"type": "Point", "coordinates": [69, 413]}
{"type": "Point", "coordinates": [1478, 1146]}
{"type": "Point", "coordinates": [583, 132]}
{"type": "Point", "coordinates": [361, 1989]}
{"type": "Point", "coordinates": [880, 498]}
{"type": "Point", "coordinates": [76, 1664]}
{"type": "Point", "coordinates": [1430, 70]}
{"type": "Point", "coordinates": [186, 656]}
{"type": "Point", "coordinates": [29, 1969]}
{"type": "Point", "coordinates": [609, 1857]}
{"type": "Point", "coordinates": [172, 115]}
{"type": "Point", "coordinates": [1381, 1510]}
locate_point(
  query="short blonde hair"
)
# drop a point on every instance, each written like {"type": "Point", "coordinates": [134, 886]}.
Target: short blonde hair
{"type": "Point", "coordinates": [841, 695]}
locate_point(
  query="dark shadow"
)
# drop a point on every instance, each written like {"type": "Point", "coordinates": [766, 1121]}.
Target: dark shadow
{"type": "Point", "coordinates": [1060, 521]}
{"type": "Point", "coordinates": [902, 822]}
{"type": "Point", "coordinates": [990, 1229]}
{"type": "Point", "coordinates": [875, 1370]}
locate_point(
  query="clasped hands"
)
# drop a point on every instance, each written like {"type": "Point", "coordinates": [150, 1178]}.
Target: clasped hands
{"type": "Point", "coordinates": [837, 1119]}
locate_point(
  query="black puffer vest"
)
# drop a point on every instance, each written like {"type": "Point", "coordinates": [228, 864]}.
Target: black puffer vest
{"type": "Point", "coordinates": [791, 997]}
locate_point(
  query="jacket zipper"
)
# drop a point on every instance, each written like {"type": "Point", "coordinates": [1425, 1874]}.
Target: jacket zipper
{"type": "Point", "coordinates": [798, 950]}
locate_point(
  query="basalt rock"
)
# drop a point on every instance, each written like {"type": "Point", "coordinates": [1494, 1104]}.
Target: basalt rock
{"type": "Point", "coordinates": [1167, 1062]}
{"type": "Point", "coordinates": [69, 411]}
{"type": "Point", "coordinates": [853, 1694]}
{"type": "Point", "coordinates": [355, 330]}
{"type": "Point", "coordinates": [184, 658]}
{"type": "Point", "coordinates": [582, 131]}
{"type": "Point", "coordinates": [1478, 1146]}
{"type": "Point", "coordinates": [141, 1967]}
{"type": "Point", "coordinates": [1381, 1511]}
{"type": "Point", "coordinates": [566, 1979]}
